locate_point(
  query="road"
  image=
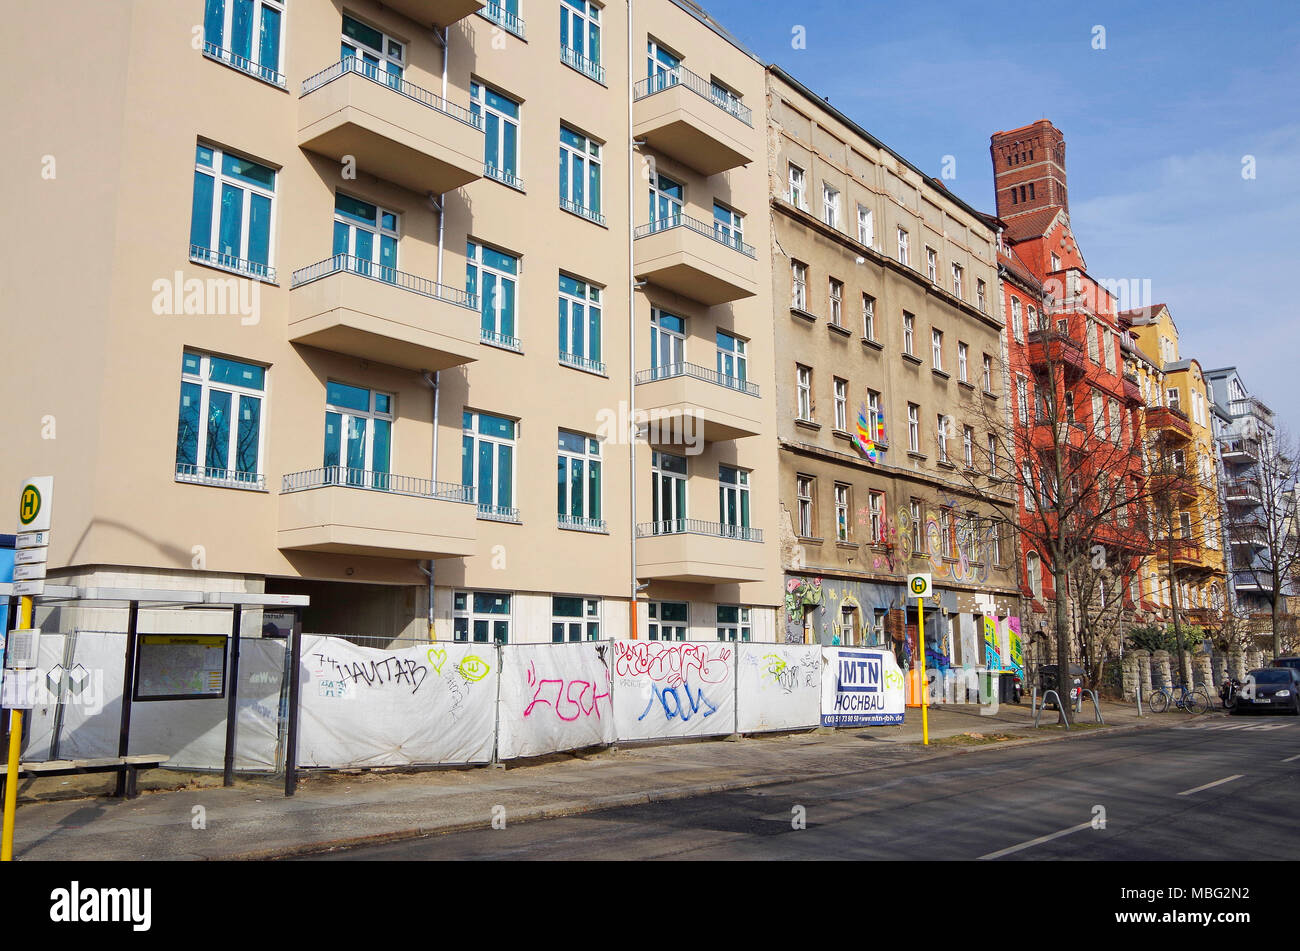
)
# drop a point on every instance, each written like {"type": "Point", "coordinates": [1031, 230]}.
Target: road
{"type": "Point", "coordinates": [1213, 789]}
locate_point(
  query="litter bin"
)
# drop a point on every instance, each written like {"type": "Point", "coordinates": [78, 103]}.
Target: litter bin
{"type": "Point", "coordinates": [1009, 688]}
{"type": "Point", "coordinates": [1049, 679]}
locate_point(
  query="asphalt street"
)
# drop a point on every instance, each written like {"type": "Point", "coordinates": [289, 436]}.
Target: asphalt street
{"type": "Point", "coordinates": [1213, 789]}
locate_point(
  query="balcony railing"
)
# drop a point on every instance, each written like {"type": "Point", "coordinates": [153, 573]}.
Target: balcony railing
{"type": "Point", "coordinates": [351, 64]}
{"type": "Point", "coordinates": [709, 231]}
{"type": "Point", "coordinates": [385, 275]}
{"type": "Point", "coordinates": [503, 18]}
{"type": "Point", "coordinates": [693, 526]}
{"type": "Point", "coordinates": [244, 64]}
{"type": "Point", "coordinates": [502, 176]}
{"type": "Point", "coordinates": [226, 478]}
{"type": "Point", "coordinates": [236, 265]}
{"type": "Point", "coordinates": [581, 524]}
{"type": "Point", "coordinates": [681, 76]}
{"type": "Point", "coordinates": [1242, 489]}
{"type": "Point", "coordinates": [582, 363]}
{"type": "Point", "coordinates": [497, 513]}
{"type": "Point", "coordinates": [589, 68]}
{"type": "Point", "coordinates": [1251, 407]}
{"type": "Point", "coordinates": [582, 211]}
{"type": "Point", "coordinates": [329, 476]}
{"type": "Point", "coordinates": [505, 341]}
{"type": "Point", "coordinates": [670, 370]}
{"type": "Point", "coordinates": [1241, 447]}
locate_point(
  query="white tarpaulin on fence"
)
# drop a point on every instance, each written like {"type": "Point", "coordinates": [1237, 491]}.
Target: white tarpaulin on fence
{"type": "Point", "coordinates": [425, 705]}
{"type": "Point", "coordinates": [554, 697]}
{"type": "Point", "coordinates": [861, 686]}
{"type": "Point", "coordinates": [778, 686]}
{"type": "Point", "coordinates": [666, 689]}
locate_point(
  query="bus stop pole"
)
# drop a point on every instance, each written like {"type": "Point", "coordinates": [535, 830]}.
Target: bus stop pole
{"type": "Point", "coordinates": [295, 684]}
{"type": "Point", "coordinates": [232, 698]}
{"type": "Point", "coordinates": [25, 611]}
{"type": "Point", "coordinates": [128, 691]}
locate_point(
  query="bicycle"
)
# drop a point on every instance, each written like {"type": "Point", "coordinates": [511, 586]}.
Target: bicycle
{"type": "Point", "coordinates": [1196, 700]}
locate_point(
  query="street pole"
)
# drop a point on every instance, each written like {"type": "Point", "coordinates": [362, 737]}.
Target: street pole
{"type": "Point", "coordinates": [925, 708]}
{"type": "Point", "coordinates": [15, 742]}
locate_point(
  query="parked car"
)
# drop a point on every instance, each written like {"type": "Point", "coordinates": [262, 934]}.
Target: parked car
{"type": "Point", "coordinates": [1270, 688]}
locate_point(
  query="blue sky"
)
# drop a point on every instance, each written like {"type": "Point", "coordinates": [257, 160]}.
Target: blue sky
{"type": "Point", "coordinates": [1156, 127]}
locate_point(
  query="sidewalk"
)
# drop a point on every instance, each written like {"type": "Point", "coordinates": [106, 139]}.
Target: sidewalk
{"type": "Point", "coordinates": [255, 820]}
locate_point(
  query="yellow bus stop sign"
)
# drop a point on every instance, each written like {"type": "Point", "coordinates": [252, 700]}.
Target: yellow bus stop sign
{"type": "Point", "coordinates": [919, 585]}
{"type": "Point", "coordinates": [34, 504]}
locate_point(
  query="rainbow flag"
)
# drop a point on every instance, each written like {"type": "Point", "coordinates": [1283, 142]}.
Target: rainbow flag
{"type": "Point", "coordinates": [864, 439]}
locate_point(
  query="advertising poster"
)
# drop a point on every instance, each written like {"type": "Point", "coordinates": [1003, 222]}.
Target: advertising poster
{"type": "Point", "coordinates": [861, 687]}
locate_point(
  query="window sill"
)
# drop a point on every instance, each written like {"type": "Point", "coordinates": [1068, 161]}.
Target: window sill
{"type": "Point", "coordinates": [873, 344]}
{"type": "Point", "coordinates": [808, 424]}
{"type": "Point", "coordinates": [803, 315]}
{"type": "Point", "coordinates": [966, 385]}
{"type": "Point", "coordinates": [847, 546]}
{"type": "Point", "coordinates": [810, 539]}
{"type": "Point", "coordinates": [945, 464]}
{"type": "Point", "coordinates": [842, 434]}
{"type": "Point", "coordinates": [909, 358]}
{"type": "Point", "coordinates": [840, 329]}
{"type": "Point", "coordinates": [918, 456]}
{"type": "Point", "coordinates": [943, 374]}
{"type": "Point", "coordinates": [991, 395]}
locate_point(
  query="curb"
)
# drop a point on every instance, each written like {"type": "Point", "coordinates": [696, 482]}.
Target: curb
{"type": "Point", "coordinates": [583, 807]}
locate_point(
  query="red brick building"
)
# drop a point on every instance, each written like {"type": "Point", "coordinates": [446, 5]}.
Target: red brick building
{"type": "Point", "coordinates": [1066, 380]}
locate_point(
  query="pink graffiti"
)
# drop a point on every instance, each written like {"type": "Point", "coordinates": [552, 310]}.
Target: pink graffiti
{"type": "Point", "coordinates": [586, 703]}
{"type": "Point", "coordinates": [670, 663]}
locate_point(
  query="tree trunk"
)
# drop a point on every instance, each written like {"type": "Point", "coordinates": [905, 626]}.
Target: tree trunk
{"type": "Point", "coordinates": [1061, 583]}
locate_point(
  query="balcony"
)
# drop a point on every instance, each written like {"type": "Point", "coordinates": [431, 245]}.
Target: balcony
{"type": "Point", "coordinates": [1172, 423]}
{"type": "Point", "coordinates": [1260, 581]}
{"type": "Point", "coordinates": [1240, 450]}
{"type": "Point", "coordinates": [357, 512]}
{"type": "Point", "coordinates": [1132, 391]}
{"type": "Point", "coordinates": [1184, 552]}
{"type": "Point", "coordinates": [1048, 349]}
{"type": "Point", "coordinates": [1250, 406]}
{"type": "Point", "coordinates": [700, 552]}
{"type": "Point", "coordinates": [502, 18]}
{"type": "Point", "coordinates": [1242, 492]}
{"type": "Point", "coordinates": [436, 12]}
{"type": "Point", "coordinates": [686, 117]}
{"type": "Point", "coordinates": [695, 260]}
{"type": "Point", "coordinates": [682, 402]}
{"type": "Point", "coordinates": [391, 128]}
{"type": "Point", "coordinates": [350, 306]}
{"type": "Point", "coordinates": [1175, 483]}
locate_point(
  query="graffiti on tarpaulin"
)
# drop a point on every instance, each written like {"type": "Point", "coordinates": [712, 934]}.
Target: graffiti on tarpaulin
{"type": "Point", "coordinates": [789, 677]}
{"type": "Point", "coordinates": [677, 710]}
{"type": "Point", "coordinates": [374, 673]}
{"type": "Point", "coordinates": [569, 699]}
{"type": "Point", "coordinates": [670, 663]}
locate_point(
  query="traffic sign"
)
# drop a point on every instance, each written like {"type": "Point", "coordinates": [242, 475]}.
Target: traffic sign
{"type": "Point", "coordinates": [34, 504]}
{"type": "Point", "coordinates": [920, 585]}
{"type": "Point", "coordinates": [32, 540]}
{"type": "Point", "coordinates": [29, 572]}
{"type": "Point", "coordinates": [31, 556]}
{"type": "Point", "coordinates": [28, 589]}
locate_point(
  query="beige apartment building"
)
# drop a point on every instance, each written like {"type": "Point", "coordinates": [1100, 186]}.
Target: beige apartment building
{"type": "Point", "coordinates": [402, 280]}
{"type": "Point", "coordinates": [887, 313]}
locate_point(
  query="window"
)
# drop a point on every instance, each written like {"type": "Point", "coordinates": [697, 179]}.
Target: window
{"type": "Point", "coordinates": [936, 348]}
{"type": "Point", "coordinates": [962, 361]}
{"type": "Point", "coordinates": [841, 405]}
{"type": "Point", "coordinates": [734, 623]}
{"type": "Point", "coordinates": [971, 531]}
{"type": "Point", "coordinates": [1033, 318]}
{"type": "Point", "coordinates": [875, 417]}
{"type": "Point", "coordinates": [968, 446]}
{"type": "Point", "coordinates": [947, 540]}
{"type": "Point", "coordinates": [837, 302]}
{"type": "Point", "coordinates": [358, 435]}
{"type": "Point", "coordinates": [1175, 398]}
{"type": "Point", "coordinates": [667, 343]}
{"type": "Point", "coordinates": [1056, 262]}
{"type": "Point", "coordinates": [663, 67]}
{"type": "Point", "coordinates": [580, 324]}
{"type": "Point", "coordinates": [505, 14]}
{"type": "Point", "coordinates": [805, 497]}
{"type": "Point", "coordinates": [1022, 400]}
{"type": "Point", "coordinates": [995, 538]}
{"type": "Point", "coordinates": [914, 513]}
{"type": "Point", "coordinates": [733, 360]}
{"type": "Point", "coordinates": [1030, 488]}
{"type": "Point", "coordinates": [1017, 327]}
{"type": "Point", "coordinates": [1099, 415]}
{"type": "Point", "coordinates": [830, 206]}
{"type": "Point", "coordinates": [843, 524]}
{"type": "Point", "coordinates": [580, 175]}
{"type": "Point", "coordinates": [798, 194]}
{"type": "Point", "coordinates": [981, 295]}
{"type": "Point", "coordinates": [733, 501]}
{"type": "Point", "coordinates": [932, 264]}
{"type": "Point", "coordinates": [232, 217]}
{"type": "Point", "coordinates": [1034, 573]}
{"type": "Point", "coordinates": [1115, 428]}
{"type": "Point", "coordinates": [220, 421]}
{"type": "Point", "coordinates": [666, 198]}
{"type": "Point", "coordinates": [799, 285]}
{"type": "Point", "coordinates": [228, 29]}
{"type": "Point", "coordinates": [668, 492]}
{"type": "Point", "coordinates": [866, 227]}
{"type": "Point", "coordinates": [1108, 349]}
{"type": "Point", "coordinates": [956, 280]}
{"type": "Point", "coordinates": [373, 54]}
{"type": "Point", "coordinates": [487, 462]}
{"type": "Point", "coordinates": [490, 275]}
{"type": "Point", "coordinates": [580, 37]}
{"type": "Point", "coordinates": [902, 247]}
{"type": "Point", "coordinates": [726, 98]}
{"type": "Point", "coordinates": [571, 618]}
{"type": "Point", "coordinates": [728, 226]}
{"type": "Point", "coordinates": [365, 237]}
{"type": "Point", "coordinates": [481, 613]}
{"type": "Point", "coordinates": [868, 317]}
{"type": "Point", "coordinates": [909, 334]}
{"type": "Point", "coordinates": [988, 374]}
{"type": "Point", "coordinates": [577, 482]}
{"type": "Point", "coordinates": [913, 427]}
{"type": "Point", "coordinates": [803, 384]}
{"type": "Point", "coordinates": [500, 115]}
{"type": "Point", "coordinates": [668, 620]}
{"type": "Point", "coordinates": [876, 507]}
{"type": "Point", "coordinates": [993, 454]}
{"type": "Point", "coordinates": [1093, 354]}
{"type": "Point", "coordinates": [941, 430]}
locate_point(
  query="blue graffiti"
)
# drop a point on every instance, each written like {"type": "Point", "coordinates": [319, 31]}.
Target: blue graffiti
{"type": "Point", "coordinates": [677, 709]}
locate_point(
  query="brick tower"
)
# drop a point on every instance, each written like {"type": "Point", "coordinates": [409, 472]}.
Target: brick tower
{"type": "Point", "coordinates": [1029, 169]}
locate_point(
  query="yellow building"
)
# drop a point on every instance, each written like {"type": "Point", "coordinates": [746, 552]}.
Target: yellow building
{"type": "Point", "coordinates": [1177, 425]}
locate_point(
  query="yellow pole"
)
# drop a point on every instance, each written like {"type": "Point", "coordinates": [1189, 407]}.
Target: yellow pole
{"type": "Point", "coordinates": [15, 741]}
{"type": "Point", "coordinates": [925, 709]}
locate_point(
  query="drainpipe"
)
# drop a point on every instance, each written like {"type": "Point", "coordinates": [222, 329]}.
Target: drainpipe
{"type": "Point", "coordinates": [631, 304]}
{"type": "Point", "coordinates": [432, 381]}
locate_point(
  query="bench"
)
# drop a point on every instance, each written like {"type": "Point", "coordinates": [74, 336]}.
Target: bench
{"type": "Point", "coordinates": [126, 768]}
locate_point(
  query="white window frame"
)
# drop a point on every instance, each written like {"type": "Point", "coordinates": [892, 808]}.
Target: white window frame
{"type": "Point", "coordinates": [968, 446]}
{"type": "Point", "coordinates": [253, 65]}
{"type": "Point", "coordinates": [591, 155]}
{"type": "Point", "coordinates": [936, 347]}
{"type": "Point", "coordinates": [868, 317]}
{"type": "Point", "coordinates": [957, 274]}
{"type": "Point", "coordinates": [932, 264]}
{"type": "Point", "coordinates": [742, 629]}
{"type": "Point", "coordinates": [988, 373]}
{"type": "Point", "coordinates": [830, 205]}
{"type": "Point", "coordinates": [876, 510]}
{"type": "Point", "coordinates": [803, 386]}
{"type": "Point", "coordinates": [591, 301]}
{"type": "Point", "coordinates": [866, 226]}
{"type": "Point", "coordinates": [804, 488]}
{"type": "Point", "coordinates": [1017, 326]}
{"type": "Point", "coordinates": [213, 254]}
{"type": "Point", "coordinates": [798, 193]}
{"type": "Point", "coordinates": [495, 335]}
{"type": "Point", "coordinates": [904, 251]}
{"type": "Point", "coordinates": [238, 393]}
{"type": "Point", "coordinates": [835, 292]}
{"type": "Point", "coordinates": [913, 427]}
{"type": "Point", "coordinates": [909, 334]}
{"type": "Point", "coordinates": [492, 509]}
{"type": "Point", "coordinates": [469, 614]}
{"type": "Point", "coordinates": [348, 413]}
{"type": "Point", "coordinates": [588, 624]}
{"type": "Point", "coordinates": [963, 354]}
{"type": "Point", "coordinates": [841, 404]}
{"type": "Point", "coordinates": [843, 520]}
{"type": "Point", "coordinates": [799, 285]}
{"type": "Point", "coordinates": [656, 625]}
{"type": "Point", "coordinates": [591, 455]}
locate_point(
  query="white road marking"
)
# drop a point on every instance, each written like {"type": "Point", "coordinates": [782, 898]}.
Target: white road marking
{"type": "Point", "coordinates": [1217, 782]}
{"type": "Point", "coordinates": [1032, 842]}
{"type": "Point", "coordinates": [1291, 759]}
